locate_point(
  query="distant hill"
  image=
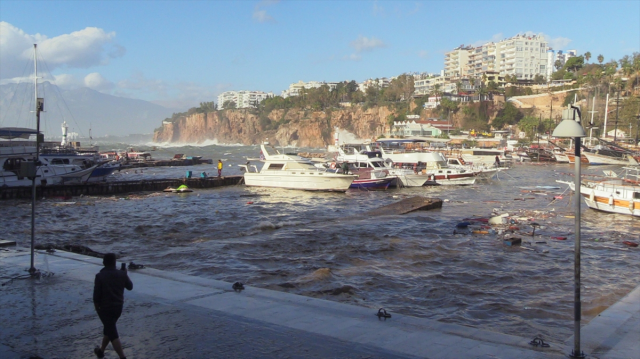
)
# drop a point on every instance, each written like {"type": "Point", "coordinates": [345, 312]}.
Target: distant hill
{"type": "Point", "coordinates": [82, 108]}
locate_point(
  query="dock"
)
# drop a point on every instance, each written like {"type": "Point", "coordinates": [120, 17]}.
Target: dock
{"type": "Point", "coordinates": [169, 314]}
{"type": "Point", "coordinates": [111, 188]}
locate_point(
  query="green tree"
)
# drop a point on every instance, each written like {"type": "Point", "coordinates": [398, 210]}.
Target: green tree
{"type": "Point", "coordinates": [587, 56]}
{"type": "Point", "coordinates": [600, 59]}
{"type": "Point", "coordinates": [574, 63]}
{"type": "Point", "coordinates": [529, 125]}
{"type": "Point", "coordinates": [227, 105]}
{"type": "Point", "coordinates": [557, 64]}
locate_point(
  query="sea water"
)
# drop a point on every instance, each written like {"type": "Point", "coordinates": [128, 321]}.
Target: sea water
{"type": "Point", "coordinates": [319, 244]}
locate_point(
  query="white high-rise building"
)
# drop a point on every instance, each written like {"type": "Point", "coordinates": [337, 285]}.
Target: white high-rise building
{"type": "Point", "coordinates": [522, 55]}
{"type": "Point", "coordinates": [456, 62]}
{"type": "Point", "coordinates": [295, 88]}
{"type": "Point", "coordinates": [242, 99]}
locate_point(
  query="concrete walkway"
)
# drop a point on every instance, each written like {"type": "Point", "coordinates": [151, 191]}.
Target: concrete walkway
{"type": "Point", "coordinates": [172, 315]}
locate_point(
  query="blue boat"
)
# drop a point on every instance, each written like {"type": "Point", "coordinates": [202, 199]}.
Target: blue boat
{"type": "Point", "coordinates": [372, 184]}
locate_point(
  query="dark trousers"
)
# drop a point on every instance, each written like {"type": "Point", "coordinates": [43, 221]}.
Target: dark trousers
{"type": "Point", "coordinates": [109, 316]}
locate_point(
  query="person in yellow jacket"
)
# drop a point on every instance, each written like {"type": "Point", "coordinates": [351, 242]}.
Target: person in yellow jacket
{"type": "Point", "coordinates": [219, 168]}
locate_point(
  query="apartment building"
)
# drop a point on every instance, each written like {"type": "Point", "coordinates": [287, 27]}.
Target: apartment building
{"type": "Point", "coordinates": [243, 99]}
{"type": "Point", "coordinates": [380, 82]}
{"type": "Point", "coordinates": [295, 88]}
{"type": "Point", "coordinates": [456, 62]}
{"type": "Point", "coordinates": [524, 56]}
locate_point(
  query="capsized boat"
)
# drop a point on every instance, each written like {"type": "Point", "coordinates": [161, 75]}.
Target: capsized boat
{"type": "Point", "coordinates": [294, 172]}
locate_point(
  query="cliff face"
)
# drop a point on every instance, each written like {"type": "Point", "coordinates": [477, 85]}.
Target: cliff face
{"type": "Point", "coordinates": [297, 127]}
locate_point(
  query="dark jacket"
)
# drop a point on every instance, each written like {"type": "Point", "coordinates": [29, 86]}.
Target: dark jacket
{"type": "Point", "coordinates": [109, 286]}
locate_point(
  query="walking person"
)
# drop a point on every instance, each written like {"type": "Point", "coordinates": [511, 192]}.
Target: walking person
{"type": "Point", "coordinates": [108, 299]}
{"type": "Point", "coordinates": [497, 163]}
{"type": "Point", "coordinates": [219, 168]}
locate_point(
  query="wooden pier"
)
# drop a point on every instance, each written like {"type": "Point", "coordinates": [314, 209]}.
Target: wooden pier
{"type": "Point", "coordinates": [111, 188]}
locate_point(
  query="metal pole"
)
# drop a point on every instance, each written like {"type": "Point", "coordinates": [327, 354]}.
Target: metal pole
{"type": "Point", "coordinates": [32, 269]}
{"type": "Point", "coordinates": [577, 307]}
{"type": "Point", "coordinates": [615, 133]}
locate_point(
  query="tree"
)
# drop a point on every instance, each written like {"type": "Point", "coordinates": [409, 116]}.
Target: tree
{"type": "Point", "coordinates": [539, 79]}
{"type": "Point", "coordinates": [600, 59]}
{"type": "Point", "coordinates": [557, 64]}
{"type": "Point", "coordinates": [587, 55]}
{"type": "Point", "coordinates": [528, 125]}
{"type": "Point", "coordinates": [229, 105]}
{"type": "Point", "coordinates": [574, 64]}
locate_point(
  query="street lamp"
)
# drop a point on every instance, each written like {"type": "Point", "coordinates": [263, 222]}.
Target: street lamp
{"type": "Point", "coordinates": [571, 128]}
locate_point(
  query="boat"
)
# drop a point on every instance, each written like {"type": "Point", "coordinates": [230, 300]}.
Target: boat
{"type": "Point", "coordinates": [362, 160]}
{"type": "Point", "coordinates": [294, 172]}
{"type": "Point", "coordinates": [598, 158]}
{"type": "Point", "coordinates": [613, 194]}
{"type": "Point", "coordinates": [20, 160]}
{"type": "Point", "coordinates": [406, 155]}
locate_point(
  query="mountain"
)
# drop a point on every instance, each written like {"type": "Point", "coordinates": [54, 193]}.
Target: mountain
{"type": "Point", "coordinates": [82, 109]}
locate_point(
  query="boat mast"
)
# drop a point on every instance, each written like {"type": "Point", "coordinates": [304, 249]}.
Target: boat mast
{"type": "Point", "coordinates": [39, 107]}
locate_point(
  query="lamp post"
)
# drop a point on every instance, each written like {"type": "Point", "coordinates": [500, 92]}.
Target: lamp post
{"type": "Point", "coordinates": [571, 128]}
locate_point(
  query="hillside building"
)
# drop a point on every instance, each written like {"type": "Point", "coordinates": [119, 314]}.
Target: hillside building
{"type": "Point", "coordinates": [524, 56]}
{"type": "Point", "coordinates": [295, 88]}
{"type": "Point", "coordinates": [243, 99]}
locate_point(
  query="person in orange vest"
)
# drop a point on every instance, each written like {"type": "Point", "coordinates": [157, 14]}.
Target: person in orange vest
{"type": "Point", "coordinates": [219, 168]}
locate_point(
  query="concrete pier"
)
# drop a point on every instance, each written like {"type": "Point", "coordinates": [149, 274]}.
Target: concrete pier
{"type": "Point", "coordinates": [110, 188]}
{"type": "Point", "coordinates": [180, 316]}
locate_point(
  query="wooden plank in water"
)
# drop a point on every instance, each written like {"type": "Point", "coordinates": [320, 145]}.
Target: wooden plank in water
{"type": "Point", "coordinates": [5, 243]}
{"type": "Point", "coordinates": [407, 205]}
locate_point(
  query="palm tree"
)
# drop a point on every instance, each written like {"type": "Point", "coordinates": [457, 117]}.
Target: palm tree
{"type": "Point", "coordinates": [587, 55]}
{"type": "Point", "coordinates": [600, 59]}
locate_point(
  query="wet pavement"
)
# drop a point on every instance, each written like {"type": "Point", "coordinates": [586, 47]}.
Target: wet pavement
{"type": "Point", "coordinates": [169, 315]}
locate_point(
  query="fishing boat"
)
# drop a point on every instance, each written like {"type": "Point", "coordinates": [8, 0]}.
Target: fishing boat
{"type": "Point", "coordinates": [613, 194]}
{"type": "Point", "coordinates": [294, 172]}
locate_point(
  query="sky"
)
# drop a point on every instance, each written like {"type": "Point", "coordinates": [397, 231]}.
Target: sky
{"type": "Point", "coordinates": [180, 53]}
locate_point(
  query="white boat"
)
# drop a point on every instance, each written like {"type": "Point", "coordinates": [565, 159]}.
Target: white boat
{"type": "Point", "coordinates": [619, 194]}
{"type": "Point", "coordinates": [361, 157]}
{"type": "Point", "coordinates": [405, 154]}
{"type": "Point", "coordinates": [294, 172]}
{"type": "Point", "coordinates": [596, 158]}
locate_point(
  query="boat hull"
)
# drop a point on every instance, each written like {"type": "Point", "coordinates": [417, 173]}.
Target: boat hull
{"type": "Point", "coordinates": [597, 159]}
{"type": "Point", "coordinates": [372, 184]}
{"type": "Point", "coordinates": [320, 181]}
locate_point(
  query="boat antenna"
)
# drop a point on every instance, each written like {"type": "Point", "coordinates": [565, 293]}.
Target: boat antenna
{"type": "Point", "coordinates": [39, 107]}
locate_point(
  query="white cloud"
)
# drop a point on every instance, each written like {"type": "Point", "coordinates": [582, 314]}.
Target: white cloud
{"type": "Point", "coordinates": [423, 54]}
{"type": "Point", "coordinates": [495, 38]}
{"type": "Point", "coordinates": [67, 81]}
{"type": "Point", "coordinates": [260, 14]}
{"type": "Point", "coordinates": [377, 9]}
{"type": "Point", "coordinates": [366, 44]}
{"type": "Point", "coordinates": [352, 57]}
{"type": "Point", "coordinates": [95, 81]}
{"type": "Point", "coordinates": [80, 49]}
{"type": "Point", "coordinates": [559, 43]}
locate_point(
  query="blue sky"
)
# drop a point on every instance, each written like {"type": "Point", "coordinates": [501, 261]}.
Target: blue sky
{"type": "Point", "coordinates": [179, 53]}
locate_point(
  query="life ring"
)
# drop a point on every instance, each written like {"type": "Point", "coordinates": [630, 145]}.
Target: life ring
{"type": "Point", "coordinates": [333, 165]}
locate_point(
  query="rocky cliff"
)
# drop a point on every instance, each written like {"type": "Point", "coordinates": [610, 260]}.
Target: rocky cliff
{"type": "Point", "coordinates": [292, 127]}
